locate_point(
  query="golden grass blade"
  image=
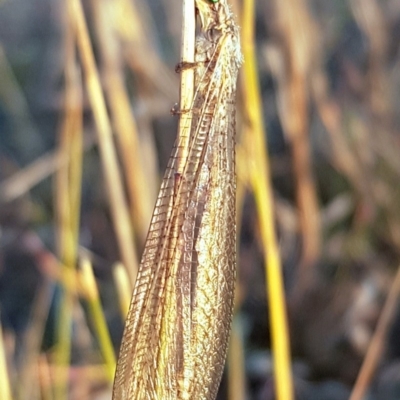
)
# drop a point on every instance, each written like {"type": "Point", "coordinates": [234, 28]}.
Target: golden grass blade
{"type": "Point", "coordinates": [97, 317]}
{"type": "Point", "coordinates": [68, 199]}
{"type": "Point", "coordinates": [124, 289]}
{"type": "Point", "coordinates": [119, 209]}
{"type": "Point", "coordinates": [261, 183]}
{"type": "Point", "coordinates": [139, 192]}
{"type": "Point", "coordinates": [63, 349]}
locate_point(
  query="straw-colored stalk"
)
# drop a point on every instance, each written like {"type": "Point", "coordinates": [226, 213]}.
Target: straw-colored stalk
{"type": "Point", "coordinates": [28, 380]}
{"type": "Point", "coordinates": [118, 203]}
{"type": "Point", "coordinates": [124, 290]}
{"type": "Point", "coordinates": [187, 77]}
{"type": "Point", "coordinates": [260, 176]}
{"type": "Point", "coordinates": [97, 317]}
{"type": "Point", "coordinates": [139, 192]}
{"type": "Point", "coordinates": [68, 196]}
{"type": "Point", "coordinates": [295, 28]}
{"type": "Point", "coordinates": [377, 344]}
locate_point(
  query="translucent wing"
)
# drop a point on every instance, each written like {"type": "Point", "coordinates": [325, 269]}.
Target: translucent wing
{"type": "Point", "coordinates": [176, 332]}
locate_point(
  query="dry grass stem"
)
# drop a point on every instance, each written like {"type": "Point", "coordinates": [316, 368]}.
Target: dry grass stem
{"type": "Point", "coordinates": [22, 181]}
{"type": "Point", "coordinates": [151, 73]}
{"type": "Point", "coordinates": [119, 209]}
{"type": "Point", "coordinates": [124, 289]}
{"type": "Point", "coordinates": [261, 183]}
{"type": "Point", "coordinates": [140, 198]}
{"type": "Point", "coordinates": [97, 317]}
{"type": "Point", "coordinates": [68, 200]}
{"type": "Point", "coordinates": [187, 79]}
{"type": "Point", "coordinates": [297, 33]}
{"type": "Point", "coordinates": [377, 343]}
{"type": "Point", "coordinates": [29, 377]}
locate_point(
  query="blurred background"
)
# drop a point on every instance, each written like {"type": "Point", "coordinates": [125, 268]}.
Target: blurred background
{"type": "Point", "coordinates": [86, 90]}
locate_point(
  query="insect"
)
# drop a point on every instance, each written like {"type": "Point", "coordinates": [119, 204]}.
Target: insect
{"type": "Point", "coordinates": [176, 332]}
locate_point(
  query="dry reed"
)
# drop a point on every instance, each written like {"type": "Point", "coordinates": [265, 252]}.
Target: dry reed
{"type": "Point", "coordinates": [259, 173]}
